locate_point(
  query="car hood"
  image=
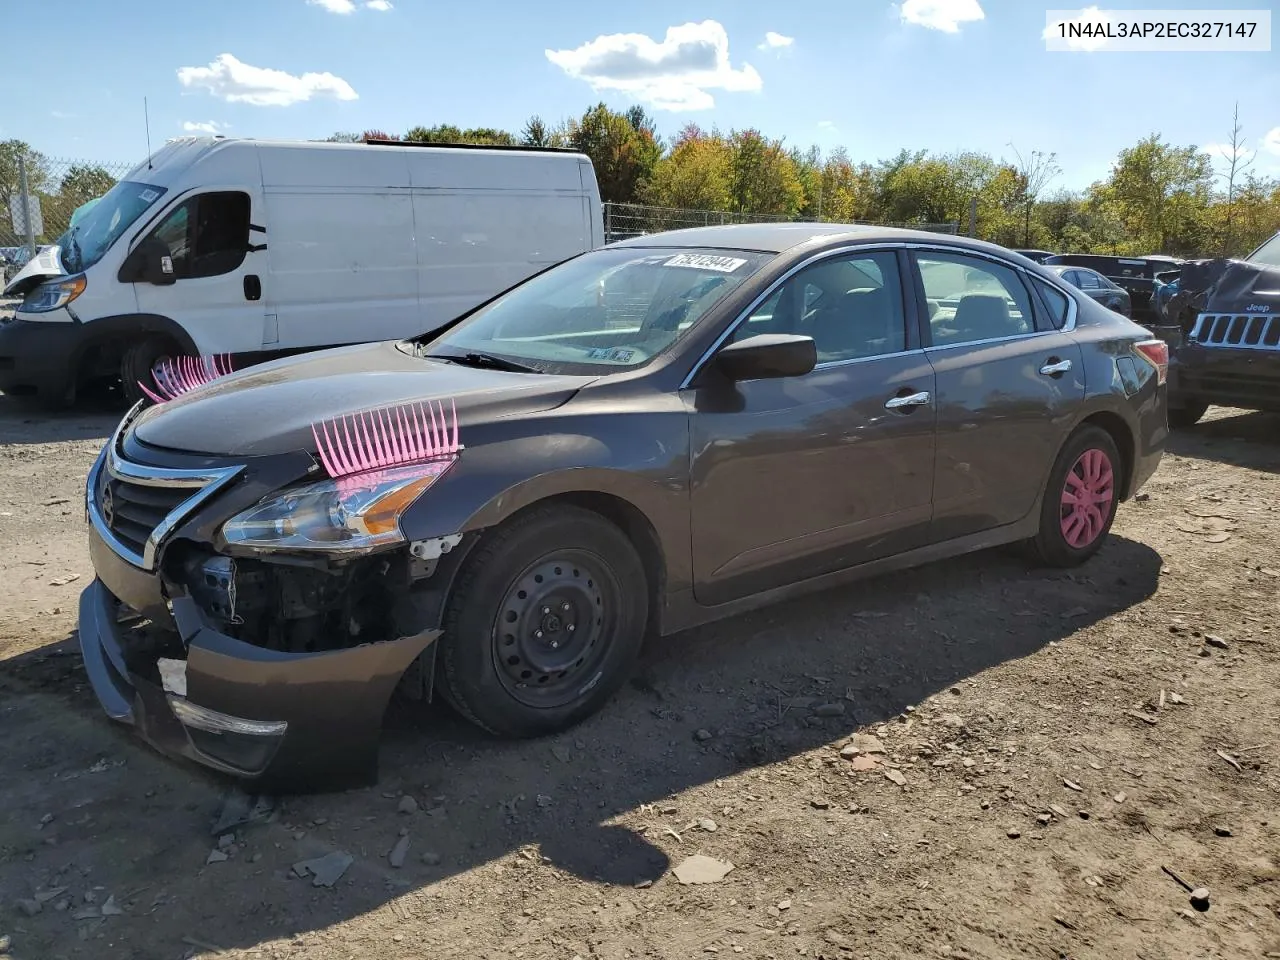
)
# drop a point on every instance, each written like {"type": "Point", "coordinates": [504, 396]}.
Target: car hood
{"type": "Point", "coordinates": [44, 265]}
{"type": "Point", "coordinates": [269, 409]}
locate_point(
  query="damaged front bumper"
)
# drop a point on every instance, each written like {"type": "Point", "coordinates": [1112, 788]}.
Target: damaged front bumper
{"type": "Point", "coordinates": [289, 722]}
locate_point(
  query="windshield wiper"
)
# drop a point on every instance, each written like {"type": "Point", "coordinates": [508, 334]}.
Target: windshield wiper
{"type": "Point", "coordinates": [484, 360]}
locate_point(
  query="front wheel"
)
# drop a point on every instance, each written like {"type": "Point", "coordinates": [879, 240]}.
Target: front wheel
{"type": "Point", "coordinates": [1080, 500]}
{"type": "Point", "coordinates": [544, 623]}
{"type": "Point", "coordinates": [138, 363]}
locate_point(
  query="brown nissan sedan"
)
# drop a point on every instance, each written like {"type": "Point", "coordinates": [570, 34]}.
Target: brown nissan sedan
{"type": "Point", "coordinates": [649, 436]}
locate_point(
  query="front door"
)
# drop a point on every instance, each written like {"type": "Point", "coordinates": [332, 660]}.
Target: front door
{"type": "Point", "coordinates": [796, 477]}
{"type": "Point", "coordinates": [1008, 387]}
{"type": "Point", "coordinates": [218, 268]}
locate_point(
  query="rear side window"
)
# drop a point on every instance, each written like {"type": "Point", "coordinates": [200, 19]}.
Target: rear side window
{"type": "Point", "coordinates": [1088, 280]}
{"type": "Point", "coordinates": [972, 299]}
{"type": "Point", "coordinates": [207, 235]}
{"type": "Point", "coordinates": [1057, 306]}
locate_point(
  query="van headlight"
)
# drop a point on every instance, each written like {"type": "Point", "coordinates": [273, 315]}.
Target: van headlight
{"type": "Point", "coordinates": [356, 514]}
{"type": "Point", "coordinates": [54, 294]}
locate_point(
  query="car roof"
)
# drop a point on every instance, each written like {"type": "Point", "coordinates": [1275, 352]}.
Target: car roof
{"type": "Point", "coordinates": [783, 237]}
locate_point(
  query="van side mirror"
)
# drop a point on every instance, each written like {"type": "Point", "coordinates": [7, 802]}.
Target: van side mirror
{"type": "Point", "coordinates": [149, 263]}
{"type": "Point", "coordinates": [768, 356]}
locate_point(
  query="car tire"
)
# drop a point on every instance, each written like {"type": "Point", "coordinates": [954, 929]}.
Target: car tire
{"type": "Point", "coordinates": [544, 622]}
{"type": "Point", "coordinates": [137, 362]}
{"type": "Point", "coordinates": [1186, 415]}
{"type": "Point", "coordinates": [1088, 466]}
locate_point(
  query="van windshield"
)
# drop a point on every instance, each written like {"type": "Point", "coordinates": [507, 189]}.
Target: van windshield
{"type": "Point", "coordinates": [606, 311]}
{"type": "Point", "coordinates": [102, 224]}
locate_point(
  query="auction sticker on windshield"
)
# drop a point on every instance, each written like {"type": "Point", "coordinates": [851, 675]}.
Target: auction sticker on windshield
{"type": "Point", "coordinates": [703, 261]}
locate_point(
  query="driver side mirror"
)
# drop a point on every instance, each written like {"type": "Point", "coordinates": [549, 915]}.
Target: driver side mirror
{"type": "Point", "coordinates": [768, 356]}
{"type": "Point", "coordinates": [149, 263]}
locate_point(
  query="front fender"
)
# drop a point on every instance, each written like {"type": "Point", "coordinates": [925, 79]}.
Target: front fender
{"type": "Point", "coordinates": [646, 468]}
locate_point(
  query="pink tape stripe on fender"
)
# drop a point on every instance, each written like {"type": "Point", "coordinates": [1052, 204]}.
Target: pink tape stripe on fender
{"type": "Point", "coordinates": [387, 437]}
{"type": "Point", "coordinates": [176, 376]}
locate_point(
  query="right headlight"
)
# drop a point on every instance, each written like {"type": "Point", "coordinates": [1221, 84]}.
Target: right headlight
{"type": "Point", "coordinates": [355, 514]}
{"type": "Point", "coordinates": [53, 294]}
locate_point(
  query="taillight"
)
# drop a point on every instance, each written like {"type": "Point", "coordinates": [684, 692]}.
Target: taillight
{"type": "Point", "coordinates": [1156, 353]}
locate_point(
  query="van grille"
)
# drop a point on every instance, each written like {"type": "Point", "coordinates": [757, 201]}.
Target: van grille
{"type": "Point", "coordinates": [1241, 331]}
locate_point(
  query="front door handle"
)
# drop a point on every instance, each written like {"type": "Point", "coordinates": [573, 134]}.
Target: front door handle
{"type": "Point", "coordinates": [1055, 367]}
{"type": "Point", "coordinates": [910, 400]}
{"type": "Point", "coordinates": [252, 287]}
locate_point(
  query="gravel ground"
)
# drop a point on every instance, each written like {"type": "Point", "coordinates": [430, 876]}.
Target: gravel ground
{"type": "Point", "coordinates": [969, 760]}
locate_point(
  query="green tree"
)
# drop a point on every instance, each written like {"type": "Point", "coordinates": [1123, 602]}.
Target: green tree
{"type": "Point", "coordinates": [623, 156]}
{"type": "Point", "coordinates": [1158, 191]}
{"type": "Point", "coordinates": [765, 180]}
{"type": "Point", "coordinates": [37, 171]}
{"type": "Point", "coordinates": [697, 174]}
{"type": "Point", "coordinates": [82, 182]}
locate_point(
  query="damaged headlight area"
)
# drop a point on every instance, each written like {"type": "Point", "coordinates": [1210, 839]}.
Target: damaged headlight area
{"type": "Point", "coordinates": [353, 514]}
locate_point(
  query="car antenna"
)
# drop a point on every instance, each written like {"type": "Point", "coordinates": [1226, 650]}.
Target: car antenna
{"type": "Point", "coordinates": [146, 122]}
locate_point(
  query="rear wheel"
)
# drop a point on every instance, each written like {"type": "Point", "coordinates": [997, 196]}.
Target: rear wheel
{"type": "Point", "coordinates": [1186, 415]}
{"type": "Point", "coordinates": [544, 624]}
{"type": "Point", "coordinates": [1080, 500]}
{"type": "Point", "coordinates": [138, 362]}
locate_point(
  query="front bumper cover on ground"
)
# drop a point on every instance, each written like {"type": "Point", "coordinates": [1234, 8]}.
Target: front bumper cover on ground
{"type": "Point", "coordinates": [312, 720]}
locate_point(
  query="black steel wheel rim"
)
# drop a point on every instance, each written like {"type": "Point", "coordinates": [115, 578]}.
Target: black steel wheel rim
{"type": "Point", "coordinates": [552, 628]}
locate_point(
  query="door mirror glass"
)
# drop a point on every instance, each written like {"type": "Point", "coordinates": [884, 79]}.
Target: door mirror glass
{"type": "Point", "coordinates": [768, 356]}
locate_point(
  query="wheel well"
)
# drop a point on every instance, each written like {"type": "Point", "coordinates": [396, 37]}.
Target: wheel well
{"type": "Point", "coordinates": [630, 520]}
{"type": "Point", "coordinates": [1122, 437]}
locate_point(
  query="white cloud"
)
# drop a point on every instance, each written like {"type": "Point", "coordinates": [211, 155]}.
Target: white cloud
{"type": "Point", "coordinates": [210, 127]}
{"type": "Point", "coordinates": [826, 124]}
{"type": "Point", "coordinates": [775, 41]}
{"type": "Point", "coordinates": [382, 6]}
{"type": "Point", "coordinates": [236, 82]}
{"type": "Point", "coordinates": [677, 73]}
{"type": "Point", "coordinates": [1271, 142]}
{"type": "Point", "coordinates": [335, 6]}
{"type": "Point", "coordinates": [944, 15]}
{"type": "Point", "coordinates": [1088, 14]}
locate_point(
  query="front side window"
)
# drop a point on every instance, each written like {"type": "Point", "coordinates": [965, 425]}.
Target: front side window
{"type": "Point", "coordinates": [850, 305]}
{"type": "Point", "coordinates": [207, 235]}
{"type": "Point", "coordinates": [606, 311]}
{"type": "Point", "coordinates": [1267, 255]}
{"type": "Point", "coordinates": [1088, 280]}
{"type": "Point", "coordinates": [976, 299]}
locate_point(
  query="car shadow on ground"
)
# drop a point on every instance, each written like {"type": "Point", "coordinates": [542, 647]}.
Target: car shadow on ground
{"type": "Point", "coordinates": [1241, 438]}
{"type": "Point", "coordinates": [740, 698]}
{"type": "Point", "coordinates": [24, 420]}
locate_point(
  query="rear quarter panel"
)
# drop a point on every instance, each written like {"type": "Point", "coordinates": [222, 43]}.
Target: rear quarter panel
{"type": "Point", "coordinates": [1122, 387]}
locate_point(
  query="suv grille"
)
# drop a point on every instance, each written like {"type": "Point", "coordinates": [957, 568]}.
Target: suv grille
{"type": "Point", "coordinates": [1243, 331]}
{"type": "Point", "coordinates": [133, 510]}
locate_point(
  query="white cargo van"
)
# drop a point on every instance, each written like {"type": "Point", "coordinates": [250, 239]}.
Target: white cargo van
{"type": "Point", "coordinates": [258, 248]}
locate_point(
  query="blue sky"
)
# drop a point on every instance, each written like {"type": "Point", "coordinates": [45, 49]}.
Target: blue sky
{"type": "Point", "coordinates": [871, 75]}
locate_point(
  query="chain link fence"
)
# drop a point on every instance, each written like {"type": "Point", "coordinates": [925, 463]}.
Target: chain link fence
{"type": "Point", "coordinates": [625, 220]}
{"type": "Point", "coordinates": [39, 195]}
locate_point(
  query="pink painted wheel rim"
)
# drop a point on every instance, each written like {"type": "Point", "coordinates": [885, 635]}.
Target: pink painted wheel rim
{"type": "Point", "coordinates": [1087, 495]}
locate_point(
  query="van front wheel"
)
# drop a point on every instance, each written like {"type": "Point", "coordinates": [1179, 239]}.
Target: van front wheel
{"type": "Point", "coordinates": [137, 363]}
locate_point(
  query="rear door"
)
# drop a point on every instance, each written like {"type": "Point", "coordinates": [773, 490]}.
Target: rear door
{"type": "Point", "coordinates": [1008, 385]}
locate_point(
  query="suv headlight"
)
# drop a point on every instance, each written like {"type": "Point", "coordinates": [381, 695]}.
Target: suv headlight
{"type": "Point", "coordinates": [355, 514]}
{"type": "Point", "coordinates": [54, 294]}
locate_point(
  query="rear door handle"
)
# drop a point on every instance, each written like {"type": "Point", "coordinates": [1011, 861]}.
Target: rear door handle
{"type": "Point", "coordinates": [1055, 367]}
{"type": "Point", "coordinates": [910, 400]}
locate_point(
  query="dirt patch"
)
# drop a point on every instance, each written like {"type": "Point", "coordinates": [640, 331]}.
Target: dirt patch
{"type": "Point", "coordinates": [1034, 748]}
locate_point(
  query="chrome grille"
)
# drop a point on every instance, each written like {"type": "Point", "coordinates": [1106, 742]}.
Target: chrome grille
{"type": "Point", "coordinates": [134, 507]}
{"type": "Point", "coordinates": [1241, 331]}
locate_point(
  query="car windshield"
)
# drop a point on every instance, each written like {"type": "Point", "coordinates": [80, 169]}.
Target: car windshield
{"type": "Point", "coordinates": [1268, 254]}
{"type": "Point", "coordinates": [101, 224]}
{"type": "Point", "coordinates": [609, 310]}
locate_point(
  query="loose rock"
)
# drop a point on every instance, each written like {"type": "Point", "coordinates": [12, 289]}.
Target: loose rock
{"type": "Point", "coordinates": [1213, 640]}
{"type": "Point", "coordinates": [215, 856]}
{"type": "Point", "coordinates": [818, 803]}
{"type": "Point", "coordinates": [407, 805]}
{"type": "Point", "coordinates": [5, 943]}
{"type": "Point", "coordinates": [701, 869]}
{"type": "Point", "coordinates": [707, 824]}
{"type": "Point", "coordinates": [1200, 898]}
{"type": "Point", "coordinates": [896, 776]}
{"type": "Point", "coordinates": [1014, 833]}
{"type": "Point", "coordinates": [399, 852]}
{"type": "Point", "coordinates": [702, 735]}
{"type": "Point", "coordinates": [829, 710]}
{"type": "Point", "coordinates": [29, 908]}
{"type": "Point", "coordinates": [1222, 830]}
{"type": "Point", "coordinates": [326, 870]}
